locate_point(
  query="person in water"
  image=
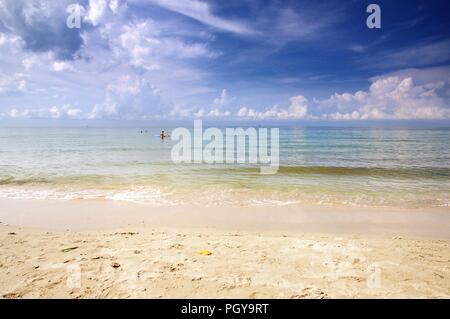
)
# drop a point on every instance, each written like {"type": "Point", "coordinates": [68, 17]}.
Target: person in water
{"type": "Point", "coordinates": [163, 135]}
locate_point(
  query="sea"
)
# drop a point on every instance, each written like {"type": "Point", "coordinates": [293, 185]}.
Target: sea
{"type": "Point", "coordinates": [347, 166]}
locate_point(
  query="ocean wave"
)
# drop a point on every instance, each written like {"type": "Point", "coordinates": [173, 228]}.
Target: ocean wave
{"type": "Point", "coordinates": [12, 180]}
{"type": "Point", "coordinates": [157, 197]}
{"type": "Point", "coordinates": [343, 171]}
{"type": "Point", "coordinates": [152, 197]}
{"type": "Point", "coordinates": [226, 173]}
{"type": "Point", "coordinates": [271, 202]}
{"type": "Point", "coordinates": [59, 180]}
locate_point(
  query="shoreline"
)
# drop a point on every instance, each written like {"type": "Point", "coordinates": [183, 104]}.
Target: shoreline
{"type": "Point", "coordinates": [94, 215]}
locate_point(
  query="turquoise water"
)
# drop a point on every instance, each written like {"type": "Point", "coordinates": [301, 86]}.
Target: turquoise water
{"type": "Point", "coordinates": [346, 166]}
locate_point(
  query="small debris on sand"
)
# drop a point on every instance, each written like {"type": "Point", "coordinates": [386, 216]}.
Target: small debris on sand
{"type": "Point", "coordinates": [205, 252]}
{"type": "Point", "coordinates": [65, 250]}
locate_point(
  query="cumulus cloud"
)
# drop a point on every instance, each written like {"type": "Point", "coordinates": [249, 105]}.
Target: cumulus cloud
{"type": "Point", "coordinates": [179, 110]}
{"type": "Point", "coordinates": [131, 97]}
{"type": "Point", "coordinates": [96, 11]}
{"type": "Point", "coordinates": [54, 112]}
{"type": "Point", "coordinates": [422, 76]}
{"type": "Point", "coordinates": [130, 63]}
{"type": "Point", "coordinates": [16, 83]}
{"type": "Point", "coordinates": [100, 12]}
{"type": "Point", "coordinates": [106, 110]}
{"type": "Point", "coordinates": [30, 61]}
{"type": "Point", "coordinates": [61, 66]}
{"type": "Point", "coordinates": [298, 109]}
{"type": "Point", "coordinates": [128, 97]}
{"type": "Point", "coordinates": [144, 46]}
{"type": "Point", "coordinates": [388, 98]}
{"type": "Point", "coordinates": [274, 112]}
{"type": "Point", "coordinates": [391, 97]}
{"type": "Point", "coordinates": [114, 6]}
{"type": "Point", "coordinates": [222, 100]}
{"type": "Point", "coordinates": [110, 70]}
{"type": "Point", "coordinates": [10, 42]}
{"type": "Point", "coordinates": [216, 108]}
{"type": "Point", "coordinates": [212, 113]}
{"type": "Point", "coordinates": [41, 25]}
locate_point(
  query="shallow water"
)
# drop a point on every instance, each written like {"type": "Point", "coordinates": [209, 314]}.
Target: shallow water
{"type": "Point", "coordinates": [347, 166]}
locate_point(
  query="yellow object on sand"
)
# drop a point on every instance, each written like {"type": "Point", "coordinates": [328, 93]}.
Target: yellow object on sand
{"type": "Point", "coordinates": [205, 252]}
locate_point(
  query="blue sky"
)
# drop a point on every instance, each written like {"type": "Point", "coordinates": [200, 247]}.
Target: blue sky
{"type": "Point", "coordinates": [173, 59]}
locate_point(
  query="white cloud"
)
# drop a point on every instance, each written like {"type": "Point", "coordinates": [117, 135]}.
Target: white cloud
{"type": "Point", "coordinates": [391, 97]}
{"type": "Point", "coordinates": [145, 47]}
{"type": "Point", "coordinates": [128, 97]}
{"type": "Point", "coordinates": [41, 26]}
{"type": "Point", "coordinates": [73, 113]}
{"type": "Point", "coordinates": [274, 112]}
{"type": "Point", "coordinates": [96, 11]}
{"type": "Point", "coordinates": [212, 113]}
{"type": "Point", "coordinates": [114, 6]}
{"type": "Point", "coordinates": [416, 56]}
{"type": "Point", "coordinates": [126, 67]}
{"type": "Point", "coordinates": [358, 48]}
{"type": "Point", "coordinates": [421, 76]}
{"type": "Point", "coordinates": [298, 109]}
{"type": "Point", "coordinates": [105, 110]}
{"type": "Point", "coordinates": [17, 83]}
{"type": "Point", "coordinates": [288, 24]}
{"type": "Point", "coordinates": [61, 66]}
{"type": "Point", "coordinates": [216, 108]}
{"type": "Point", "coordinates": [222, 100]}
{"type": "Point", "coordinates": [31, 61]}
{"type": "Point", "coordinates": [10, 41]}
{"type": "Point", "coordinates": [200, 11]}
{"type": "Point", "coordinates": [180, 111]}
{"type": "Point", "coordinates": [127, 85]}
{"type": "Point", "coordinates": [176, 47]}
{"type": "Point", "coordinates": [54, 112]}
{"type": "Point", "coordinates": [103, 11]}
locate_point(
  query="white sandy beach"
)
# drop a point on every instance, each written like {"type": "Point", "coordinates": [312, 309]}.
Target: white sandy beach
{"type": "Point", "coordinates": [296, 254]}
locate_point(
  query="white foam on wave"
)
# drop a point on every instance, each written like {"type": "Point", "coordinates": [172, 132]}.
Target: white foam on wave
{"type": "Point", "coordinates": [444, 202]}
{"type": "Point", "coordinates": [271, 202]}
{"type": "Point", "coordinates": [154, 197]}
{"type": "Point", "coordinates": [140, 196]}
